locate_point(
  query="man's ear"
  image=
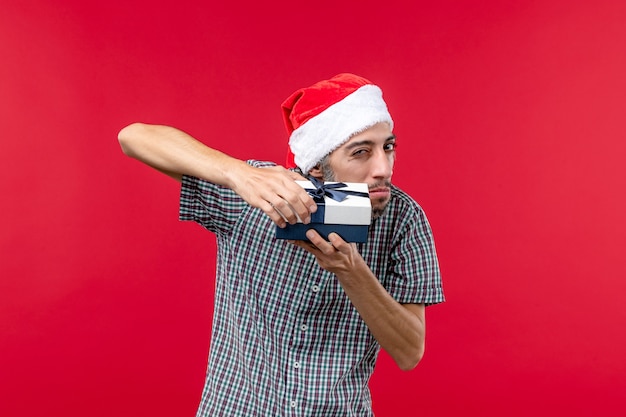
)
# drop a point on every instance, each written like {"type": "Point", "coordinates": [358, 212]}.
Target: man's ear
{"type": "Point", "coordinates": [316, 172]}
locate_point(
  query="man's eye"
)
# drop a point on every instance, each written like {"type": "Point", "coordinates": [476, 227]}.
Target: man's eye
{"type": "Point", "coordinates": [358, 152]}
{"type": "Point", "coordinates": [390, 146]}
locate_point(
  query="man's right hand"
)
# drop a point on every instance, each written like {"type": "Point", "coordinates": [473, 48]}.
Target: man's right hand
{"type": "Point", "coordinates": [273, 190]}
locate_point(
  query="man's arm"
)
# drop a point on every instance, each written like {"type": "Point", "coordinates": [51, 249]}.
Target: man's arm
{"type": "Point", "coordinates": [400, 329]}
{"type": "Point", "coordinates": [176, 153]}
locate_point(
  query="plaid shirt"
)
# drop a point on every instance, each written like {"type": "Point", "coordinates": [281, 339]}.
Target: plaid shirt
{"type": "Point", "coordinates": [286, 341]}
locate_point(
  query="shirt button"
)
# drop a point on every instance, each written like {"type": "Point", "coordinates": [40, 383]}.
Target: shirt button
{"type": "Point", "coordinates": [304, 327]}
{"type": "Point", "coordinates": [296, 365]}
{"type": "Point", "coordinates": [315, 288]}
{"type": "Point", "coordinates": [293, 404]}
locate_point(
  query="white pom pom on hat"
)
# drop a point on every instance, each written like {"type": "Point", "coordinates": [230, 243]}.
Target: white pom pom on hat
{"type": "Point", "coordinates": [322, 117]}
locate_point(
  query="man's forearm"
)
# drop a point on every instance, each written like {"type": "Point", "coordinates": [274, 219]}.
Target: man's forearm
{"type": "Point", "coordinates": [399, 329]}
{"type": "Point", "coordinates": [175, 153]}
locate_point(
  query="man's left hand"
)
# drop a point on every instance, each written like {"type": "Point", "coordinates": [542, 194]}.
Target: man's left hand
{"type": "Point", "coordinates": [334, 255]}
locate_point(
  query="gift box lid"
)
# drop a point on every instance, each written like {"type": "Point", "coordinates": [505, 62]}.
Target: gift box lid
{"type": "Point", "coordinates": [340, 202]}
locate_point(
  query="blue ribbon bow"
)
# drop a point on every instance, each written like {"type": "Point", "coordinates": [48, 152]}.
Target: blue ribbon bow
{"type": "Point", "coordinates": [330, 190]}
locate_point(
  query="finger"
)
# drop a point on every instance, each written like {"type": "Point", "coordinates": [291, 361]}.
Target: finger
{"type": "Point", "coordinates": [307, 246]}
{"type": "Point", "coordinates": [296, 203]}
{"type": "Point", "coordinates": [285, 210]}
{"type": "Point", "coordinates": [293, 210]}
{"type": "Point", "coordinates": [323, 245]}
{"type": "Point", "coordinates": [275, 215]}
{"type": "Point", "coordinates": [300, 201]}
{"type": "Point", "coordinates": [280, 213]}
{"type": "Point", "coordinates": [339, 244]}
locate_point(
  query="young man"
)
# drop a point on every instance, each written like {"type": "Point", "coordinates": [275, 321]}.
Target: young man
{"type": "Point", "coordinates": [298, 324]}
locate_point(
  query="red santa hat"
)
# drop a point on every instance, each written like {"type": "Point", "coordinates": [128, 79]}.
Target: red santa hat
{"type": "Point", "coordinates": [322, 117]}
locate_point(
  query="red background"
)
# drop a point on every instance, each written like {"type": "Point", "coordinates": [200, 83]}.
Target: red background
{"type": "Point", "coordinates": [511, 124]}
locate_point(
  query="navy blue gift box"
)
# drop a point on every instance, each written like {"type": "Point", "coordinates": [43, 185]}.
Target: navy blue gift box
{"type": "Point", "coordinates": [343, 208]}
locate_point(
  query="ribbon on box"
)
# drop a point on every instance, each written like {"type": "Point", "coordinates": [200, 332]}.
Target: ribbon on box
{"type": "Point", "coordinates": [322, 190]}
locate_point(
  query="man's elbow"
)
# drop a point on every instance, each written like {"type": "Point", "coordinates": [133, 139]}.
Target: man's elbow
{"type": "Point", "coordinates": [127, 137]}
{"type": "Point", "coordinates": [411, 359]}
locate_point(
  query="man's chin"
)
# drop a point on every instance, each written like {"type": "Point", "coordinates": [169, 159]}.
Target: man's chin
{"type": "Point", "coordinates": [378, 207]}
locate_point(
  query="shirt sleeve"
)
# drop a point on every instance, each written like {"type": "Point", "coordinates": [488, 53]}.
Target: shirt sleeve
{"type": "Point", "coordinates": [414, 267]}
{"type": "Point", "coordinates": [214, 207]}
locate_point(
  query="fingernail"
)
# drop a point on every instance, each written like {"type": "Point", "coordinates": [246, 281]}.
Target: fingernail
{"type": "Point", "coordinates": [313, 208]}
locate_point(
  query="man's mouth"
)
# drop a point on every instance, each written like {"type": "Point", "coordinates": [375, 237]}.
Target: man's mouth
{"type": "Point", "coordinates": [379, 192]}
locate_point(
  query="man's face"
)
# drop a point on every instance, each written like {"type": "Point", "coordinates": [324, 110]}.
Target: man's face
{"type": "Point", "coordinates": [368, 157]}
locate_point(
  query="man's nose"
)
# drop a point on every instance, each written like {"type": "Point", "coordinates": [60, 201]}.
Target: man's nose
{"type": "Point", "coordinates": [382, 166]}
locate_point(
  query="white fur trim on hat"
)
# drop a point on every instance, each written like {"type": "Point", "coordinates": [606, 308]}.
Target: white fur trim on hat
{"type": "Point", "coordinates": [325, 132]}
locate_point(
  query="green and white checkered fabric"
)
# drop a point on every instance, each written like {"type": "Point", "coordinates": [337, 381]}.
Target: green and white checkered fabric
{"type": "Point", "coordinates": [286, 341]}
